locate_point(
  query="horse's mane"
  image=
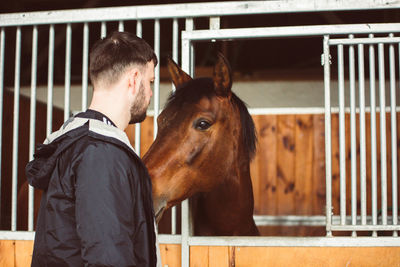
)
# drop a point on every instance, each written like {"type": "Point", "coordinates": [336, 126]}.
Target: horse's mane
{"type": "Point", "coordinates": [194, 90]}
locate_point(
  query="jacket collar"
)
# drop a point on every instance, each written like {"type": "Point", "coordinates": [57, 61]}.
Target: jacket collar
{"type": "Point", "coordinates": [96, 126]}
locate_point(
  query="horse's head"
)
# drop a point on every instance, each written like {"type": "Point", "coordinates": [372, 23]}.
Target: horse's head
{"type": "Point", "coordinates": [199, 137]}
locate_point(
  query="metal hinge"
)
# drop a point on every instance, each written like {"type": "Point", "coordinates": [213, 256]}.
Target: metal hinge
{"type": "Point", "coordinates": [323, 59]}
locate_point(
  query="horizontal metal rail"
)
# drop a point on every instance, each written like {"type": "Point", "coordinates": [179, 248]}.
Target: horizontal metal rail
{"type": "Point", "coordinates": [356, 41]}
{"type": "Point", "coordinates": [317, 220]}
{"type": "Point", "coordinates": [260, 241]}
{"type": "Point", "coordinates": [355, 227]}
{"type": "Point", "coordinates": [290, 31]}
{"type": "Point", "coordinates": [187, 11]}
{"type": "Point", "coordinates": [295, 241]}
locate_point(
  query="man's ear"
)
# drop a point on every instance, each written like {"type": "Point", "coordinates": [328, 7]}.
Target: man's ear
{"type": "Point", "coordinates": [134, 80]}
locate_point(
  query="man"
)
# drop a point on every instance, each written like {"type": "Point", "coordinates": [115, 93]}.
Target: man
{"type": "Point", "coordinates": [96, 208]}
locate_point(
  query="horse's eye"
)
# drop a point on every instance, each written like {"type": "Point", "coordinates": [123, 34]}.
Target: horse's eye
{"type": "Point", "coordinates": [202, 125]}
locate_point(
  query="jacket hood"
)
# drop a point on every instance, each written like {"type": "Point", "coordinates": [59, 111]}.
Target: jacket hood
{"type": "Point", "coordinates": [39, 170]}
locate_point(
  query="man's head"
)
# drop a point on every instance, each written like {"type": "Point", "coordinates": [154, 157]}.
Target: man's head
{"type": "Point", "coordinates": [120, 57]}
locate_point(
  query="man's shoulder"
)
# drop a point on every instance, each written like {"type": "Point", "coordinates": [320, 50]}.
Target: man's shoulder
{"type": "Point", "coordinates": [107, 148]}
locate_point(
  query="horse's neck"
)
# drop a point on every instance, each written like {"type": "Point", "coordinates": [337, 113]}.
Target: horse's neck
{"type": "Point", "coordinates": [229, 206]}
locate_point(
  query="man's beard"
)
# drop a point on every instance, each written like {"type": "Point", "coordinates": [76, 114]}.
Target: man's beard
{"type": "Point", "coordinates": [139, 107]}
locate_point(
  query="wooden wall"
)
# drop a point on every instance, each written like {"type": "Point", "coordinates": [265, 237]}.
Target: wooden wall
{"type": "Point", "coordinates": [19, 254]}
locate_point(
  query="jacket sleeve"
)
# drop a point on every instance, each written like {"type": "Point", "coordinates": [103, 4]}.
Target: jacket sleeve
{"type": "Point", "coordinates": [104, 207]}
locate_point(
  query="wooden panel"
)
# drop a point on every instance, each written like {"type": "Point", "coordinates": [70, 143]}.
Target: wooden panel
{"type": "Point", "coordinates": [264, 170]}
{"type": "Point", "coordinates": [303, 168]}
{"type": "Point", "coordinates": [218, 256]}
{"type": "Point", "coordinates": [7, 253]}
{"type": "Point", "coordinates": [146, 134]}
{"type": "Point", "coordinates": [263, 167]}
{"type": "Point", "coordinates": [18, 253]}
{"type": "Point", "coordinates": [213, 256]}
{"type": "Point", "coordinates": [335, 164]}
{"type": "Point", "coordinates": [324, 257]}
{"type": "Point", "coordinates": [23, 252]}
{"type": "Point", "coordinates": [285, 167]}
{"type": "Point", "coordinates": [170, 255]}
{"type": "Point", "coordinates": [303, 164]}
{"type": "Point", "coordinates": [318, 191]}
{"type": "Point", "coordinates": [199, 256]}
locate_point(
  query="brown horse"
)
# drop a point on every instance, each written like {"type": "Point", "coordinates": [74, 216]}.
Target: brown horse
{"type": "Point", "coordinates": [205, 142]}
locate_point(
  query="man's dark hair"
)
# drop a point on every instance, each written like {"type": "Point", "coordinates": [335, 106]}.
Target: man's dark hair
{"type": "Point", "coordinates": [111, 55]}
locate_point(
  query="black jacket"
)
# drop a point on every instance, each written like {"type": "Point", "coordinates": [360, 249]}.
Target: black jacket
{"type": "Point", "coordinates": [96, 208]}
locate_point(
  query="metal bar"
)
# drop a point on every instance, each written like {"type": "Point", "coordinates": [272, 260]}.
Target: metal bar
{"type": "Point", "coordinates": [67, 95]}
{"type": "Point", "coordinates": [253, 241]}
{"type": "Point", "coordinates": [175, 43]}
{"type": "Point", "coordinates": [169, 239]}
{"type": "Point", "coordinates": [185, 222]}
{"type": "Point", "coordinates": [393, 117]}
{"type": "Point", "coordinates": [289, 31]}
{"type": "Point", "coordinates": [395, 196]}
{"type": "Point", "coordinates": [186, 10]}
{"type": "Point", "coordinates": [175, 40]}
{"type": "Point", "coordinates": [156, 97]}
{"type": "Point", "coordinates": [189, 27]}
{"type": "Point", "coordinates": [15, 130]}
{"type": "Point", "coordinates": [139, 28]}
{"type": "Point", "coordinates": [383, 133]}
{"type": "Point", "coordinates": [299, 110]}
{"type": "Point", "coordinates": [298, 220]}
{"type": "Point", "coordinates": [215, 23]}
{"type": "Point", "coordinates": [366, 227]}
{"type": "Point", "coordinates": [295, 241]}
{"type": "Point", "coordinates": [49, 122]}
{"type": "Point", "coordinates": [353, 138]}
{"type": "Point", "coordinates": [363, 157]}
{"type": "Point", "coordinates": [137, 125]}
{"type": "Point", "coordinates": [85, 66]}
{"type": "Point", "coordinates": [342, 137]}
{"type": "Point", "coordinates": [383, 40]}
{"type": "Point", "coordinates": [32, 122]}
{"type": "Point", "coordinates": [103, 31]}
{"type": "Point", "coordinates": [2, 56]}
{"type": "Point", "coordinates": [17, 235]}
{"type": "Point", "coordinates": [175, 47]}
{"type": "Point", "coordinates": [374, 183]}
{"type": "Point", "coordinates": [328, 137]}
{"type": "Point", "coordinates": [121, 26]}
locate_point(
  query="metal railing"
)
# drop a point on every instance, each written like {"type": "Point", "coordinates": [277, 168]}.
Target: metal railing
{"type": "Point", "coordinates": [89, 18]}
{"type": "Point", "coordinates": [354, 222]}
{"type": "Point", "coordinates": [373, 43]}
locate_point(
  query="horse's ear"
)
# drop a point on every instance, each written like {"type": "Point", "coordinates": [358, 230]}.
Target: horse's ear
{"type": "Point", "coordinates": [178, 76]}
{"type": "Point", "coordinates": [222, 76]}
